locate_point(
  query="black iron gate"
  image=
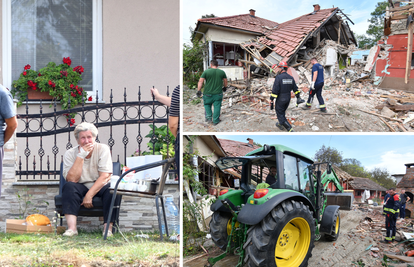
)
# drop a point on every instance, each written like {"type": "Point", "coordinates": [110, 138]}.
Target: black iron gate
{"type": "Point", "coordinates": [110, 118]}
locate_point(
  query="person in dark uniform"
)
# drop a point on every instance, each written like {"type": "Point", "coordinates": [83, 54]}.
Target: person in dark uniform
{"type": "Point", "coordinates": [284, 83]}
{"type": "Point", "coordinates": [316, 86]}
{"type": "Point", "coordinates": [391, 209]}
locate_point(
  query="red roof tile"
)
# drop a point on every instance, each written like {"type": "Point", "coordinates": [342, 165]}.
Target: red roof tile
{"type": "Point", "coordinates": [288, 35]}
{"type": "Point", "coordinates": [242, 22]}
{"type": "Point", "coordinates": [236, 148]}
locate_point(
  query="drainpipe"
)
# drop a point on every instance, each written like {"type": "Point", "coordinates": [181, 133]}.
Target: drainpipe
{"type": "Point", "coordinates": [205, 64]}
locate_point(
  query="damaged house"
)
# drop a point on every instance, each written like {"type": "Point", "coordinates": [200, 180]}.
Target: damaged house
{"type": "Point", "coordinates": [407, 183]}
{"type": "Point", "coordinates": [264, 43]}
{"type": "Point", "coordinates": [393, 56]}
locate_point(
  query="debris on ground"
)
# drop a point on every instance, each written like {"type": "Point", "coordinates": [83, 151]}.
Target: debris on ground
{"type": "Point", "coordinates": [353, 101]}
{"type": "Point", "coordinates": [361, 230]}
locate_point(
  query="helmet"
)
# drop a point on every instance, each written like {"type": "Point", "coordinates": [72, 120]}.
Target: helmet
{"type": "Point", "coordinates": [37, 219]}
{"type": "Point", "coordinates": [282, 64]}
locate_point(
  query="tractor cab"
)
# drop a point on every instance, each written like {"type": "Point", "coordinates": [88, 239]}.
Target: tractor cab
{"type": "Point", "coordinates": [275, 167]}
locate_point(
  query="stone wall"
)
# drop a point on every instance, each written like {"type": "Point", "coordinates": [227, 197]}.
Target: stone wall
{"type": "Point", "coordinates": [136, 213]}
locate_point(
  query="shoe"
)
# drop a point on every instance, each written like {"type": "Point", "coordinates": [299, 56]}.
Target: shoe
{"type": "Point", "coordinates": [306, 107]}
{"type": "Point", "coordinates": [385, 242]}
{"type": "Point", "coordinates": [280, 126]}
{"type": "Point", "coordinates": [209, 120]}
{"type": "Point", "coordinates": [215, 123]}
{"type": "Point", "coordinates": [324, 110]}
{"type": "Point", "coordinates": [70, 232]}
{"type": "Point", "coordinates": [109, 234]}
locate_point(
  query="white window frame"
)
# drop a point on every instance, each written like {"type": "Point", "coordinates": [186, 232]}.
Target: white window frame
{"type": "Point", "coordinates": [96, 46]}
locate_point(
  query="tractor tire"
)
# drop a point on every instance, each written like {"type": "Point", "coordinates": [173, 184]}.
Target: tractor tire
{"type": "Point", "coordinates": [336, 226]}
{"type": "Point", "coordinates": [283, 238]}
{"type": "Point", "coordinates": [220, 229]}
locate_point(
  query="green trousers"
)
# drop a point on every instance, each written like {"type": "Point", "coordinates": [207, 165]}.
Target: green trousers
{"type": "Point", "coordinates": [215, 101]}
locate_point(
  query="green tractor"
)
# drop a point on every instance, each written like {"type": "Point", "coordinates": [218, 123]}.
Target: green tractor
{"type": "Point", "coordinates": [276, 223]}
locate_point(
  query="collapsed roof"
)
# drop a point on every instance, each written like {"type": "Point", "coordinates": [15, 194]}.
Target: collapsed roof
{"type": "Point", "coordinates": [291, 41]}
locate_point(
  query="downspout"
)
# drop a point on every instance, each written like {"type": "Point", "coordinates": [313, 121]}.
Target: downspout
{"type": "Point", "coordinates": [205, 62]}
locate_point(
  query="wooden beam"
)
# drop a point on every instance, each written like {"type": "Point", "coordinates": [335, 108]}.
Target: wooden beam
{"type": "Point", "coordinates": [409, 51]}
{"type": "Point", "coordinates": [339, 31]}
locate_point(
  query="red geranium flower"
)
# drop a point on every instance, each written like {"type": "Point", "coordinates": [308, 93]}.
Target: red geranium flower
{"type": "Point", "coordinates": [67, 60]}
{"type": "Point", "coordinates": [71, 86]}
{"type": "Point", "coordinates": [39, 74]}
{"type": "Point", "coordinates": [78, 69]}
{"type": "Point", "coordinates": [73, 94]}
{"type": "Point", "coordinates": [27, 67]}
{"type": "Point", "coordinates": [90, 98]}
{"type": "Point", "coordinates": [24, 73]}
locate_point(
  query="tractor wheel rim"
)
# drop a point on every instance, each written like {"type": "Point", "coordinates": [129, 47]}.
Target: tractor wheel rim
{"type": "Point", "coordinates": [229, 226]}
{"type": "Point", "coordinates": [293, 242]}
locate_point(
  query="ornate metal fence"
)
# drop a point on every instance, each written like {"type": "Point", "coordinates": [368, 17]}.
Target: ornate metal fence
{"type": "Point", "coordinates": [111, 119]}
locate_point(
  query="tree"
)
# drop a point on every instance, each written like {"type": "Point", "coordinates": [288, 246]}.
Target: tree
{"type": "Point", "coordinates": [354, 168]}
{"type": "Point", "coordinates": [376, 26]}
{"type": "Point", "coordinates": [364, 41]}
{"type": "Point", "coordinates": [328, 154]}
{"type": "Point", "coordinates": [193, 56]}
{"type": "Point", "coordinates": [382, 177]}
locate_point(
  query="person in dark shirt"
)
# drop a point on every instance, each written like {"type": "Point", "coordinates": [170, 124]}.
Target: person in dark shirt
{"type": "Point", "coordinates": [271, 177]}
{"type": "Point", "coordinates": [316, 86]}
{"type": "Point", "coordinates": [404, 199]}
{"type": "Point", "coordinates": [280, 97]}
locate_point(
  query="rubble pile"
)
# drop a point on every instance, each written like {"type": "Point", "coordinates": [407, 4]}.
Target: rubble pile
{"type": "Point", "coordinates": [373, 227]}
{"type": "Point", "coordinates": [353, 101]}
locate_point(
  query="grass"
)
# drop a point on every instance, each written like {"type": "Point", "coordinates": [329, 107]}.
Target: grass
{"type": "Point", "coordinates": [87, 249]}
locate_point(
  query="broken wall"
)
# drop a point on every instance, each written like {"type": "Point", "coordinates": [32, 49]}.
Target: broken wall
{"type": "Point", "coordinates": [391, 65]}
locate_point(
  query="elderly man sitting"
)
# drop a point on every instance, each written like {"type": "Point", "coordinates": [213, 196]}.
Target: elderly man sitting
{"type": "Point", "coordinates": [87, 169]}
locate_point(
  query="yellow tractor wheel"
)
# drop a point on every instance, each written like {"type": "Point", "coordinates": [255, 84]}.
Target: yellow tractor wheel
{"type": "Point", "coordinates": [283, 238]}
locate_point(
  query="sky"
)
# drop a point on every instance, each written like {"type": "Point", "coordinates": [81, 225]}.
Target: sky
{"type": "Point", "coordinates": [276, 10]}
{"type": "Point", "coordinates": [372, 150]}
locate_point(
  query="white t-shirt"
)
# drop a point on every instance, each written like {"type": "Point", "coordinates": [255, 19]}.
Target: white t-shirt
{"type": "Point", "coordinates": [100, 161]}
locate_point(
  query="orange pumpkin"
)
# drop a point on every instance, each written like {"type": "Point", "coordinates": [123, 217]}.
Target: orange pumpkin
{"type": "Point", "coordinates": [37, 219]}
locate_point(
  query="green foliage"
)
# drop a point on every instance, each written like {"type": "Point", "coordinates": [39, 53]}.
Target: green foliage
{"type": "Point", "coordinates": [354, 168]}
{"type": "Point", "coordinates": [158, 143]}
{"type": "Point", "coordinates": [382, 177]}
{"type": "Point", "coordinates": [60, 81]}
{"type": "Point", "coordinates": [257, 144]}
{"type": "Point", "coordinates": [376, 26]}
{"type": "Point", "coordinates": [193, 56]}
{"type": "Point", "coordinates": [328, 154]}
{"type": "Point", "coordinates": [192, 236]}
{"type": "Point", "coordinates": [364, 42]}
{"type": "Point", "coordinates": [193, 211]}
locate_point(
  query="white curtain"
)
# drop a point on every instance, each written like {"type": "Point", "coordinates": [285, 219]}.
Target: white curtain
{"type": "Point", "coordinates": [48, 30]}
